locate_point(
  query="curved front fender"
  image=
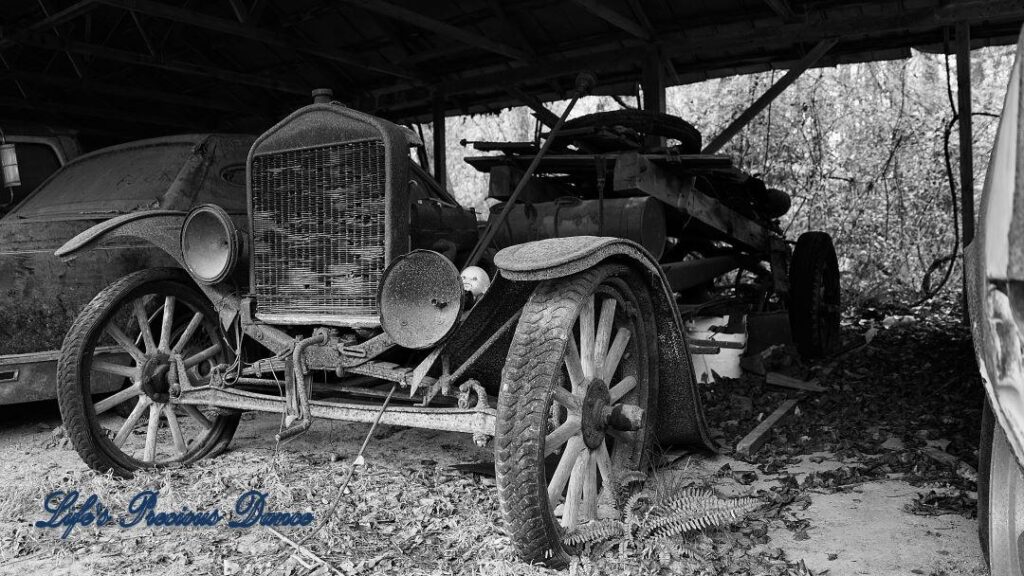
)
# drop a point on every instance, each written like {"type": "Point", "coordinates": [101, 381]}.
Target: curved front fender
{"type": "Point", "coordinates": [680, 412]}
{"type": "Point", "coordinates": [161, 228]}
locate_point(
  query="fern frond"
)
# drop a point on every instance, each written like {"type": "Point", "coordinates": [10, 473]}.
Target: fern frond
{"type": "Point", "coordinates": [595, 531]}
{"type": "Point", "coordinates": [630, 515]}
{"type": "Point", "coordinates": [633, 477]}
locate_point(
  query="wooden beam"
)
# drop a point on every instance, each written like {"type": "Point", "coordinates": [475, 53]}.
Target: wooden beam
{"type": "Point", "coordinates": [635, 173]}
{"type": "Point", "coordinates": [653, 84]}
{"type": "Point", "coordinates": [440, 144]}
{"type": "Point", "coordinates": [250, 32]}
{"type": "Point", "coordinates": [114, 54]}
{"type": "Point", "coordinates": [761, 103]}
{"type": "Point", "coordinates": [963, 84]}
{"type": "Point", "coordinates": [782, 8]}
{"type": "Point", "coordinates": [617, 19]}
{"type": "Point", "coordinates": [508, 24]}
{"type": "Point", "coordinates": [56, 19]}
{"type": "Point", "coordinates": [241, 12]}
{"type": "Point", "coordinates": [93, 86]}
{"type": "Point", "coordinates": [546, 117]}
{"type": "Point", "coordinates": [752, 442]}
{"type": "Point", "coordinates": [443, 28]}
{"type": "Point", "coordinates": [113, 113]}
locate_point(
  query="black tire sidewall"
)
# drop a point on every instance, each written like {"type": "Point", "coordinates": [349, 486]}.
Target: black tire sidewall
{"type": "Point", "coordinates": [524, 401]}
{"type": "Point", "coordinates": [74, 390]}
{"type": "Point", "coordinates": [814, 263]}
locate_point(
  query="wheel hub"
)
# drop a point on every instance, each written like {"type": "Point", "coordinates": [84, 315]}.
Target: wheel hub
{"type": "Point", "coordinates": [594, 413]}
{"type": "Point", "coordinates": [154, 377]}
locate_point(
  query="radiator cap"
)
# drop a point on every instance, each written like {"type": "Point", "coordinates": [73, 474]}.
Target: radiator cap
{"type": "Point", "coordinates": [420, 299]}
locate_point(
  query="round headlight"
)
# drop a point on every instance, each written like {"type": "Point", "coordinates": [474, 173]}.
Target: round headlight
{"type": "Point", "coordinates": [209, 244]}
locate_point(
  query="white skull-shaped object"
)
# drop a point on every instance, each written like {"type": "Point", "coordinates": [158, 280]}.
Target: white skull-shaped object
{"type": "Point", "coordinates": [475, 280]}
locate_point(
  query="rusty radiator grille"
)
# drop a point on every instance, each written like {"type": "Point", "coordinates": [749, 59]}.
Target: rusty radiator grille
{"type": "Point", "coordinates": [318, 230]}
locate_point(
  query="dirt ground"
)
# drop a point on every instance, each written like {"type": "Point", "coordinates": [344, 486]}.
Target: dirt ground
{"type": "Point", "coordinates": [872, 476]}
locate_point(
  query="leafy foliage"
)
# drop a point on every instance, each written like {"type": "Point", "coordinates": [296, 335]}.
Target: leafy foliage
{"type": "Point", "coordinates": [651, 518]}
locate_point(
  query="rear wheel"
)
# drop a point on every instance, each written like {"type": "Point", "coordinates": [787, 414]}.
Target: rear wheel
{"type": "Point", "coordinates": [577, 390]}
{"type": "Point", "coordinates": [1000, 500]}
{"type": "Point", "coordinates": [814, 304]}
{"type": "Point", "coordinates": [149, 317]}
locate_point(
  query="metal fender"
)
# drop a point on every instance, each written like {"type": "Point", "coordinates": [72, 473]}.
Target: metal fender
{"type": "Point", "coordinates": [681, 414]}
{"type": "Point", "coordinates": [160, 228]}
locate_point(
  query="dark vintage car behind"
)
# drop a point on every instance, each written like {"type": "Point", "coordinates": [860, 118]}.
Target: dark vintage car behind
{"type": "Point", "coordinates": [40, 295]}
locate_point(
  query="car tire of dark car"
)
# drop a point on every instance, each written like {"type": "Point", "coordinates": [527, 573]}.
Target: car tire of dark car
{"type": "Point", "coordinates": [642, 122]}
{"type": "Point", "coordinates": [1000, 500]}
{"type": "Point", "coordinates": [814, 299]}
{"type": "Point", "coordinates": [188, 328]}
{"type": "Point", "coordinates": [557, 395]}
{"type": "Point", "coordinates": [988, 427]}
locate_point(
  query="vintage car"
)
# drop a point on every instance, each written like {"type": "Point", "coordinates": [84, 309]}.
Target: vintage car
{"type": "Point", "coordinates": [42, 295]}
{"type": "Point", "coordinates": [343, 285]}
{"type": "Point", "coordinates": [995, 283]}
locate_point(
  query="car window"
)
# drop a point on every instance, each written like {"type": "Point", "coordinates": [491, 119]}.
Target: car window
{"type": "Point", "coordinates": [111, 182]}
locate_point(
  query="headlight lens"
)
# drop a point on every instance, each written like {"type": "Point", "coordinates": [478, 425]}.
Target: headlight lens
{"type": "Point", "coordinates": [209, 244]}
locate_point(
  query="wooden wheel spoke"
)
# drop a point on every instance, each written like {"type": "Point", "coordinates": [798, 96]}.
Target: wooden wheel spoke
{"type": "Point", "coordinates": [155, 410]}
{"type": "Point", "coordinates": [565, 465]}
{"type": "Point", "coordinates": [604, 465]}
{"type": "Point", "coordinates": [117, 398]}
{"type": "Point", "coordinates": [567, 399]}
{"type": "Point", "coordinates": [615, 352]}
{"type": "Point", "coordinates": [116, 369]}
{"type": "Point", "coordinates": [561, 435]}
{"type": "Point", "coordinates": [167, 323]}
{"type": "Point", "coordinates": [202, 356]}
{"type": "Point", "coordinates": [131, 421]}
{"type": "Point", "coordinates": [197, 416]}
{"type": "Point", "coordinates": [126, 343]}
{"type": "Point", "coordinates": [573, 364]}
{"type": "Point", "coordinates": [587, 337]}
{"type": "Point", "coordinates": [604, 333]}
{"type": "Point", "coordinates": [189, 332]}
{"type": "Point", "coordinates": [574, 496]}
{"type": "Point", "coordinates": [625, 386]}
{"type": "Point", "coordinates": [172, 423]}
{"type": "Point", "coordinates": [143, 320]}
{"type": "Point", "coordinates": [589, 504]}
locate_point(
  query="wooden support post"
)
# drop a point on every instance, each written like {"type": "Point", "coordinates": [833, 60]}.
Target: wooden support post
{"type": "Point", "coordinates": [761, 103]}
{"type": "Point", "coordinates": [963, 80]}
{"type": "Point", "coordinates": [653, 84]}
{"type": "Point", "coordinates": [440, 150]}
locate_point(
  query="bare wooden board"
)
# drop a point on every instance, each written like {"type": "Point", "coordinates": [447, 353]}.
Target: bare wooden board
{"type": "Point", "coordinates": [757, 437]}
{"type": "Point", "coordinates": [776, 379]}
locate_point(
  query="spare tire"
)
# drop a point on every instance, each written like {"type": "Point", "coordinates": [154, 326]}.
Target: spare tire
{"type": "Point", "coordinates": [644, 123]}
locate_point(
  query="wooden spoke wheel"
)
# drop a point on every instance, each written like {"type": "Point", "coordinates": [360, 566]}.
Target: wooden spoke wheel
{"type": "Point", "coordinates": [575, 410]}
{"type": "Point", "coordinates": [133, 329]}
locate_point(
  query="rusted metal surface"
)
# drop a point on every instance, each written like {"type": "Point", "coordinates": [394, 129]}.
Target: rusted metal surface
{"type": "Point", "coordinates": [420, 299]}
{"type": "Point", "coordinates": [635, 173]}
{"type": "Point", "coordinates": [640, 219]}
{"type": "Point", "coordinates": [330, 282]}
{"type": "Point", "coordinates": [471, 420]}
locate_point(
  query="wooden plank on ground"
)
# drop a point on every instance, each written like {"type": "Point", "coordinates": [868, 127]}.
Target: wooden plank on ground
{"type": "Point", "coordinates": [752, 442]}
{"type": "Point", "coordinates": [776, 379]}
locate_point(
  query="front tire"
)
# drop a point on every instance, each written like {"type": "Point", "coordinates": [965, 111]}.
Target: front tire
{"type": "Point", "coordinates": [557, 398]}
{"type": "Point", "coordinates": [1000, 500]}
{"type": "Point", "coordinates": [114, 334]}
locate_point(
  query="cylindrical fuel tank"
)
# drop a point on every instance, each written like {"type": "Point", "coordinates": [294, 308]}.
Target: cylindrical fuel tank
{"type": "Point", "coordinates": [641, 220]}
